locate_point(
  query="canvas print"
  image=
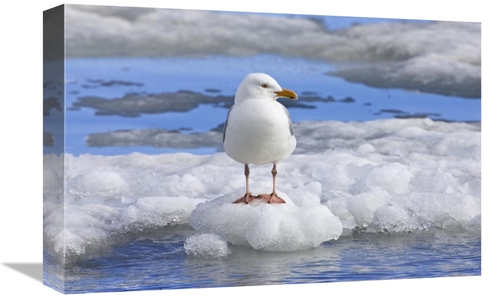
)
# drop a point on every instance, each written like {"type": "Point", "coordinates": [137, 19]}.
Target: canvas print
{"type": "Point", "coordinates": [200, 149]}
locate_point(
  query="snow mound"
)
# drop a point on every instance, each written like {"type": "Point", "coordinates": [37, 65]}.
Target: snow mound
{"type": "Point", "coordinates": [270, 227]}
{"type": "Point", "coordinates": [75, 231]}
{"type": "Point", "coordinates": [208, 246]}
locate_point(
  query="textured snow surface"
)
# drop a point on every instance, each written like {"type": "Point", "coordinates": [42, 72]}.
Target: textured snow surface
{"type": "Point", "coordinates": [384, 176]}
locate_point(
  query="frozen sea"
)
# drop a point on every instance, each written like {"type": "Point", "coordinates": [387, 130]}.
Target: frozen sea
{"type": "Point", "coordinates": [385, 182]}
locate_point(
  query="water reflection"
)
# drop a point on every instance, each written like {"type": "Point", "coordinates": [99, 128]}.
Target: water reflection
{"type": "Point", "coordinates": [158, 261]}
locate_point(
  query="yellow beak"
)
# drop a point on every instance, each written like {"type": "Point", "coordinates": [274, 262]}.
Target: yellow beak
{"type": "Point", "coordinates": [287, 93]}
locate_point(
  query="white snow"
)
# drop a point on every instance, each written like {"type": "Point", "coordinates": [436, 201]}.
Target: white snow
{"type": "Point", "coordinates": [436, 57]}
{"type": "Point", "coordinates": [384, 176]}
{"type": "Point", "coordinates": [206, 246]}
{"type": "Point", "coordinates": [284, 227]}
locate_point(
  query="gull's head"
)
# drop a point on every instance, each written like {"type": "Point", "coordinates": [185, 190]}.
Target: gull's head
{"type": "Point", "coordinates": [261, 85]}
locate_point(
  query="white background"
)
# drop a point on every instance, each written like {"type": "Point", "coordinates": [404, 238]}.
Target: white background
{"type": "Point", "coordinates": [21, 147]}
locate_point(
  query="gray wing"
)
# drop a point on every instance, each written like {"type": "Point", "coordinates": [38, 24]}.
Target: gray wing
{"type": "Point", "coordinates": [290, 125]}
{"type": "Point", "coordinates": [225, 125]}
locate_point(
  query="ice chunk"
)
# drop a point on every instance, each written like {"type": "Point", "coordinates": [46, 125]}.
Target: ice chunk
{"type": "Point", "coordinates": [366, 148]}
{"type": "Point", "coordinates": [74, 231]}
{"type": "Point", "coordinates": [338, 206]}
{"type": "Point", "coordinates": [160, 211]}
{"type": "Point", "coordinates": [308, 195]}
{"type": "Point", "coordinates": [473, 187]}
{"type": "Point", "coordinates": [437, 181]}
{"type": "Point", "coordinates": [447, 211]}
{"type": "Point", "coordinates": [270, 227]}
{"type": "Point", "coordinates": [207, 246]}
{"type": "Point", "coordinates": [393, 178]}
{"type": "Point", "coordinates": [474, 224]}
{"type": "Point", "coordinates": [392, 219]}
{"type": "Point", "coordinates": [363, 206]}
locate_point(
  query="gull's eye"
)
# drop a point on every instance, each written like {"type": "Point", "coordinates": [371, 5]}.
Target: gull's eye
{"type": "Point", "coordinates": [264, 85]}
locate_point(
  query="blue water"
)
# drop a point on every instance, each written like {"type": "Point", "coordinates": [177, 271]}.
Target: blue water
{"type": "Point", "coordinates": [158, 261]}
{"type": "Point", "coordinates": [114, 78]}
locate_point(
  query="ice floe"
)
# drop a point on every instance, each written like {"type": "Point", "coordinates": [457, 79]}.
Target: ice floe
{"type": "Point", "coordinates": [383, 176]}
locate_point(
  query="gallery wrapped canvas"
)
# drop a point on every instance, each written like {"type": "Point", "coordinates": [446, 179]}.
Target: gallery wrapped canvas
{"type": "Point", "coordinates": [352, 152]}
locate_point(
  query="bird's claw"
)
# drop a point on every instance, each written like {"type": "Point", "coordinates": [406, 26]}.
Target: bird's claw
{"type": "Point", "coordinates": [247, 198]}
{"type": "Point", "coordinates": [271, 198]}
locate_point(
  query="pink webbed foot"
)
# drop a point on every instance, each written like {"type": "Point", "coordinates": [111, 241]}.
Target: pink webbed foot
{"type": "Point", "coordinates": [247, 198]}
{"type": "Point", "coordinates": [271, 198]}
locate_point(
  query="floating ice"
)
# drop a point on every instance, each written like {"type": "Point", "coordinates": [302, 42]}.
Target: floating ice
{"type": "Point", "coordinates": [280, 227]}
{"type": "Point", "coordinates": [384, 176]}
{"type": "Point", "coordinates": [206, 246]}
{"type": "Point", "coordinates": [386, 54]}
{"type": "Point", "coordinates": [78, 229]}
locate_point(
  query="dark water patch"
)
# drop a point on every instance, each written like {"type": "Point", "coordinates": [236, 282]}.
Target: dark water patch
{"type": "Point", "coordinates": [348, 100]}
{"type": "Point", "coordinates": [391, 111]}
{"type": "Point", "coordinates": [219, 128]}
{"type": "Point", "coordinates": [419, 115]}
{"type": "Point", "coordinates": [295, 104]}
{"type": "Point", "coordinates": [48, 139]}
{"type": "Point", "coordinates": [213, 90]}
{"type": "Point", "coordinates": [136, 104]}
{"type": "Point", "coordinates": [400, 114]}
{"type": "Point", "coordinates": [133, 105]}
{"type": "Point", "coordinates": [49, 104]}
{"type": "Point", "coordinates": [95, 83]}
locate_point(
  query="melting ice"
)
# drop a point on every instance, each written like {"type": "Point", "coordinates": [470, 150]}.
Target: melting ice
{"type": "Point", "coordinates": [383, 176]}
{"type": "Point", "coordinates": [404, 57]}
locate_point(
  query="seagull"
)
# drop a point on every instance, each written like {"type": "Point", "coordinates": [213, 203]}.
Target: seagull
{"type": "Point", "coordinates": [258, 129]}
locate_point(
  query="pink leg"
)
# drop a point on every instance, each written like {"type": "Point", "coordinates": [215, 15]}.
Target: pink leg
{"type": "Point", "coordinates": [273, 198]}
{"type": "Point", "coordinates": [247, 198]}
